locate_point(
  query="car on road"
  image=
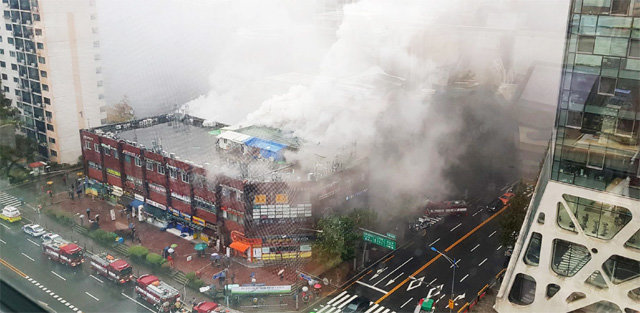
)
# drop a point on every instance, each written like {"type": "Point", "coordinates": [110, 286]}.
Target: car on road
{"type": "Point", "coordinates": [495, 205]}
{"type": "Point", "coordinates": [34, 230]}
{"type": "Point", "coordinates": [10, 214]}
{"type": "Point", "coordinates": [357, 305]}
{"type": "Point", "coordinates": [49, 236]}
{"type": "Point", "coordinates": [506, 197]}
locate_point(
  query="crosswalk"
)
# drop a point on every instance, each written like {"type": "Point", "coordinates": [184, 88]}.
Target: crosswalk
{"type": "Point", "coordinates": [7, 199]}
{"type": "Point", "coordinates": [338, 303]}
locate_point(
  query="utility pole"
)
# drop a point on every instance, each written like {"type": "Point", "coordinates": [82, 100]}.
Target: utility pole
{"type": "Point", "coordinates": [454, 264]}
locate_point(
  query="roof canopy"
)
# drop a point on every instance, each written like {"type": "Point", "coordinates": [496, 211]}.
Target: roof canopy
{"type": "Point", "coordinates": [234, 136]}
{"type": "Point", "coordinates": [239, 246]}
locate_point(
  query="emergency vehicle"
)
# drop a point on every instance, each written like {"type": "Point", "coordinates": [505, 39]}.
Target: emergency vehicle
{"type": "Point", "coordinates": [10, 214]}
{"type": "Point", "coordinates": [114, 269]}
{"type": "Point", "coordinates": [205, 307]}
{"type": "Point", "coordinates": [63, 251]}
{"type": "Point", "coordinates": [156, 292]}
{"type": "Point", "coordinates": [454, 207]}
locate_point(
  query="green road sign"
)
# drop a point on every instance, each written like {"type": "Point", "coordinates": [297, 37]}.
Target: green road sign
{"type": "Point", "coordinates": [378, 239]}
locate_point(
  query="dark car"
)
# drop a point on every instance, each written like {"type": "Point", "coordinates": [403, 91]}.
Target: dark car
{"type": "Point", "coordinates": [357, 305]}
{"type": "Point", "coordinates": [495, 205]}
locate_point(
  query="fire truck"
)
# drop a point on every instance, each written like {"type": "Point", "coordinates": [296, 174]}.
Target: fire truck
{"type": "Point", "coordinates": [114, 269]}
{"type": "Point", "coordinates": [156, 292]}
{"type": "Point", "coordinates": [63, 251]}
{"type": "Point", "coordinates": [454, 207]}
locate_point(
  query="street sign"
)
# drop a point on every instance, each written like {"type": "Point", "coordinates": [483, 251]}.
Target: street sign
{"type": "Point", "coordinates": [378, 239]}
{"type": "Point", "coordinates": [392, 236]}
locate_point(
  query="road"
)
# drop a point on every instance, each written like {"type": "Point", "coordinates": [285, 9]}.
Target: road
{"type": "Point", "coordinates": [62, 289]}
{"type": "Point", "coordinates": [414, 271]}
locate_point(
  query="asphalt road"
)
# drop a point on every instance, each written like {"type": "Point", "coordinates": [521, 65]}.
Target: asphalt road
{"type": "Point", "coordinates": [414, 271]}
{"type": "Point", "coordinates": [60, 288]}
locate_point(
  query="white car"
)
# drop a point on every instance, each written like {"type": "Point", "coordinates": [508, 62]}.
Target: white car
{"type": "Point", "coordinates": [34, 230]}
{"type": "Point", "coordinates": [49, 236]}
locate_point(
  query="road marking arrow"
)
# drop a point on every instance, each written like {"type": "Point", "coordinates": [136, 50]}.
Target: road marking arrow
{"type": "Point", "coordinates": [417, 281]}
{"type": "Point", "coordinates": [378, 272]}
{"type": "Point", "coordinates": [394, 279]}
{"type": "Point", "coordinates": [459, 297]}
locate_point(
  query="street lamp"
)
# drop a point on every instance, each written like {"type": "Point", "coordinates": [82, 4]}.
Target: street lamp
{"type": "Point", "coordinates": [453, 279]}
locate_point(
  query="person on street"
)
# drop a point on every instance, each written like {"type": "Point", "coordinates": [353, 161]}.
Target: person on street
{"type": "Point", "coordinates": [170, 259]}
{"type": "Point", "coordinates": [88, 213]}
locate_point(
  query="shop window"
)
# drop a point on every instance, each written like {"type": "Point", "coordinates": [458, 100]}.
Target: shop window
{"type": "Point", "coordinates": [596, 279]}
{"type": "Point", "coordinates": [598, 219]}
{"type": "Point", "coordinates": [564, 220]}
{"type": "Point", "coordinates": [601, 306]}
{"type": "Point", "coordinates": [532, 257]}
{"type": "Point", "coordinates": [523, 290]}
{"type": "Point", "coordinates": [634, 241]}
{"type": "Point", "coordinates": [574, 296]}
{"type": "Point", "coordinates": [620, 269]}
{"type": "Point", "coordinates": [53, 153]}
{"type": "Point", "coordinates": [552, 289]}
{"type": "Point", "coordinates": [568, 257]}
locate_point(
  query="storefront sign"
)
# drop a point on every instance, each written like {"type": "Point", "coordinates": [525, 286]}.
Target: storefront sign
{"type": "Point", "coordinates": [157, 188]}
{"type": "Point", "coordinates": [180, 197]}
{"type": "Point", "coordinates": [156, 204]}
{"type": "Point", "coordinates": [138, 197]}
{"type": "Point", "coordinates": [260, 199]}
{"type": "Point", "coordinates": [198, 221]}
{"type": "Point", "coordinates": [250, 290]}
{"type": "Point", "coordinates": [185, 216]}
{"type": "Point", "coordinates": [282, 198]}
{"type": "Point", "coordinates": [174, 212]}
{"type": "Point", "coordinates": [129, 153]}
{"type": "Point", "coordinates": [113, 172]}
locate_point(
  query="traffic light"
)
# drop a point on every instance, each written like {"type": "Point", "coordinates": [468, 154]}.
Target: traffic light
{"type": "Point", "coordinates": [451, 304]}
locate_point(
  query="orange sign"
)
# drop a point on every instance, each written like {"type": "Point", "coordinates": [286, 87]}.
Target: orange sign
{"type": "Point", "coordinates": [282, 198]}
{"type": "Point", "coordinates": [260, 199]}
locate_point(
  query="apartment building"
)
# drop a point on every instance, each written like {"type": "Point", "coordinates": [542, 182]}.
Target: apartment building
{"type": "Point", "coordinates": [50, 67]}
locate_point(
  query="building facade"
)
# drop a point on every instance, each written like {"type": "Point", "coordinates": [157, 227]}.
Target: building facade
{"type": "Point", "coordinates": [579, 247]}
{"type": "Point", "coordinates": [50, 66]}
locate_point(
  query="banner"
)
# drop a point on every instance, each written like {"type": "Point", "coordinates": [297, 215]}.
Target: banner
{"type": "Point", "coordinates": [198, 221]}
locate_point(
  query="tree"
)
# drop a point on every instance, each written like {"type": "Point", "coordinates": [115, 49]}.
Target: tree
{"type": "Point", "coordinates": [340, 234]}
{"type": "Point", "coordinates": [512, 218]}
{"type": "Point", "coordinates": [120, 112]}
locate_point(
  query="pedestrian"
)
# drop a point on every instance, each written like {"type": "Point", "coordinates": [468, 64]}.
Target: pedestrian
{"type": "Point", "coordinates": [81, 220]}
{"type": "Point", "coordinates": [88, 213]}
{"type": "Point", "coordinates": [193, 301]}
{"type": "Point", "coordinates": [50, 193]}
{"type": "Point", "coordinates": [170, 259]}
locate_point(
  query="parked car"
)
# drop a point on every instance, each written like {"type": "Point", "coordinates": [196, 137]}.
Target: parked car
{"type": "Point", "coordinates": [49, 236]}
{"type": "Point", "coordinates": [34, 230]}
{"type": "Point", "coordinates": [357, 305]}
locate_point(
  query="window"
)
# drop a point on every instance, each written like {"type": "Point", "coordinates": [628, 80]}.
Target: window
{"type": "Point", "coordinates": [40, 45]}
{"type": "Point", "coordinates": [1, 51]}
{"type": "Point", "coordinates": [620, 269]}
{"type": "Point", "coordinates": [598, 219]}
{"type": "Point", "coordinates": [43, 73]}
{"type": "Point", "coordinates": [10, 40]}
{"type": "Point", "coordinates": [98, 70]}
{"type": "Point", "coordinates": [12, 54]}
{"type": "Point", "coordinates": [184, 176]}
{"type": "Point", "coordinates": [160, 169]}
{"type": "Point", "coordinates": [38, 32]}
{"type": "Point", "coordinates": [96, 44]}
{"type": "Point", "coordinates": [634, 48]}
{"type": "Point", "coordinates": [52, 140]}
{"type": "Point", "coordinates": [100, 96]}
{"type": "Point", "coordinates": [552, 289]}
{"type": "Point", "coordinates": [47, 100]}
{"type": "Point", "coordinates": [532, 257]}
{"type": "Point", "coordinates": [45, 87]}
{"type": "Point", "coordinates": [568, 257]}
{"type": "Point", "coordinates": [149, 165]}
{"type": "Point", "coordinates": [173, 173]}
{"type": "Point", "coordinates": [100, 83]}
{"type": "Point", "coordinates": [41, 60]}
{"type": "Point", "coordinates": [564, 220]}
{"type": "Point", "coordinates": [16, 80]}
{"type": "Point", "coordinates": [3, 64]}
{"type": "Point", "coordinates": [607, 85]}
{"type": "Point", "coordinates": [53, 153]}
{"type": "Point", "coordinates": [620, 7]}
{"type": "Point", "coordinates": [115, 154]}
{"type": "Point", "coordinates": [523, 291]}
{"type": "Point", "coordinates": [596, 280]}
{"type": "Point", "coordinates": [96, 147]}
{"type": "Point", "coordinates": [586, 44]}
{"type": "Point", "coordinates": [49, 127]}
{"type": "Point", "coordinates": [138, 162]}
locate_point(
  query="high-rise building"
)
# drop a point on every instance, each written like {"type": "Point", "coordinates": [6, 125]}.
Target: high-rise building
{"type": "Point", "coordinates": [50, 66]}
{"type": "Point", "coordinates": [579, 247]}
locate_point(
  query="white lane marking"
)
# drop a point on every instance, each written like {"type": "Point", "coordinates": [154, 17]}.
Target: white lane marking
{"type": "Point", "coordinates": [68, 304]}
{"type": "Point", "coordinates": [75, 309]}
{"type": "Point", "coordinates": [493, 233]}
{"type": "Point", "coordinates": [474, 214]}
{"type": "Point", "coordinates": [41, 286]}
{"type": "Point", "coordinates": [54, 273]}
{"type": "Point", "coordinates": [452, 229]}
{"type": "Point", "coordinates": [500, 247]}
{"type": "Point", "coordinates": [2, 241]}
{"type": "Point", "coordinates": [37, 283]}
{"type": "Point", "coordinates": [372, 308]}
{"type": "Point", "coordinates": [345, 296]}
{"type": "Point", "coordinates": [56, 296]}
{"type": "Point", "coordinates": [33, 242]}
{"type": "Point", "coordinates": [71, 307]}
{"type": "Point", "coordinates": [476, 247]}
{"type": "Point", "coordinates": [346, 302]}
{"type": "Point", "coordinates": [92, 296]}
{"type": "Point", "coordinates": [485, 260]}
{"type": "Point", "coordinates": [431, 244]}
{"type": "Point", "coordinates": [380, 309]}
{"type": "Point", "coordinates": [50, 292]}
{"type": "Point", "coordinates": [325, 307]}
{"type": "Point", "coordinates": [442, 296]}
{"type": "Point", "coordinates": [372, 287]}
{"type": "Point", "coordinates": [397, 268]}
{"type": "Point", "coordinates": [402, 306]}
{"type": "Point", "coordinates": [456, 263]}
{"type": "Point", "coordinates": [433, 281]}
{"type": "Point", "coordinates": [28, 257]}
{"type": "Point", "coordinates": [63, 301]}
{"type": "Point", "coordinates": [5, 226]}
{"type": "Point", "coordinates": [29, 278]}
{"type": "Point", "coordinates": [45, 289]}
{"type": "Point", "coordinates": [386, 311]}
{"type": "Point", "coordinates": [393, 279]}
{"type": "Point", "coordinates": [96, 278]}
{"type": "Point", "coordinates": [336, 298]}
{"type": "Point", "coordinates": [134, 300]}
{"type": "Point", "coordinates": [465, 277]}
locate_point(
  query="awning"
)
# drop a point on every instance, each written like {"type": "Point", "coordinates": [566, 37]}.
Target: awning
{"type": "Point", "coordinates": [234, 136]}
{"type": "Point", "coordinates": [239, 246]}
{"type": "Point", "coordinates": [268, 149]}
{"type": "Point", "coordinates": [136, 203]}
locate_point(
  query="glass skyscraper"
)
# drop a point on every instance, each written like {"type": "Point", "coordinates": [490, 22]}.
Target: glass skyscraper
{"type": "Point", "coordinates": [579, 247]}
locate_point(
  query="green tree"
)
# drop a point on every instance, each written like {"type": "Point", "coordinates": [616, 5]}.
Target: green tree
{"type": "Point", "coordinates": [511, 219]}
{"type": "Point", "coordinates": [340, 234]}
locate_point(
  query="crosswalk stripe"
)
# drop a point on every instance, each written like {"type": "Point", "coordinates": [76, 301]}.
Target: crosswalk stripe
{"type": "Point", "coordinates": [386, 311]}
{"type": "Point", "coordinates": [338, 296]}
{"type": "Point", "coordinates": [7, 199]}
{"type": "Point", "coordinates": [372, 308]}
{"type": "Point", "coordinates": [346, 302]}
{"type": "Point", "coordinates": [324, 308]}
{"type": "Point", "coordinates": [338, 301]}
{"type": "Point", "coordinates": [380, 309]}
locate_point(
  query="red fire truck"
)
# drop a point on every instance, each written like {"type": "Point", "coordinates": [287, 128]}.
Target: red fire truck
{"type": "Point", "coordinates": [63, 251]}
{"type": "Point", "coordinates": [156, 292]}
{"type": "Point", "coordinates": [114, 269]}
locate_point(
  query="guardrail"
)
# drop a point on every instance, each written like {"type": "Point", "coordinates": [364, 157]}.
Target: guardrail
{"type": "Point", "coordinates": [482, 292]}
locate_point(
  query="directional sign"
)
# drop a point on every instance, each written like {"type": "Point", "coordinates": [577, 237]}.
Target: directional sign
{"type": "Point", "coordinates": [378, 239]}
{"type": "Point", "coordinates": [416, 281]}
